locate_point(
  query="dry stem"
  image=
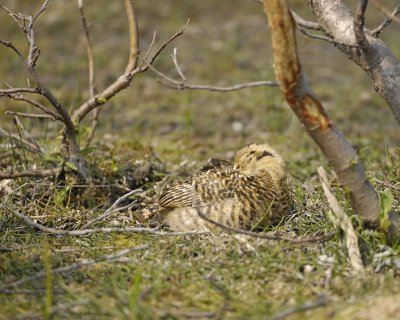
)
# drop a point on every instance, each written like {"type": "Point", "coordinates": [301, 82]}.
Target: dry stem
{"type": "Point", "coordinates": [112, 209]}
{"type": "Point", "coordinates": [29, 173]}
{"type": "Point", "coordinates": [84, 232]}
{"type": "Point", "coordinates": [269, 236]}
{"type": "Point", "coordinates": [341, 219]}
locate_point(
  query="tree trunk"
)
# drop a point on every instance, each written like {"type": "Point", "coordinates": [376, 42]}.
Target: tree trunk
{"type": "Point", "coordinates": [309, 110]}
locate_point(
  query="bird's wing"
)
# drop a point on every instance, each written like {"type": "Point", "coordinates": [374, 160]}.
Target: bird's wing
{"type": "Point", "coordinates": [176, 196]}
{"type": "Point", "coordinates": [213, 185]}
{"type": "Point", "coordinates": [201, 189]}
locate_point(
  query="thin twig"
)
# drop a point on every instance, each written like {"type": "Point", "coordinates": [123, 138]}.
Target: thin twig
{"type": "Point", "coordinates": [121, 83]}
{"type": "Point", "coordinates": [391, 16]}
{"type": "Point", "coordinates": [318, 37]}
{"type": "Point", "coordinates": [29, 173]}
{"type": "Point", "coordinates": [180, 85]}
{"type": "Point", "coordinates": [17, 90]}
{"type": "Point", "coordinates": [152, 43]}
{"type": "Point", "coordinates": [305, 23]}
{"type": "Point", "coordinates": [9, 44]}
{"type": "Point", "coordinates": [92, 87]}
{"type": "Point", "coordinates": [319, 302]}
{"type": "Point", "coordinates": [20, 97]}
{"type": "Point", "coordinates": [342, 220]}
{"type": "Point", "coordinates": [301, 22]}
{"type": "Point", "coordinates": [133, 37]}
{"type": "Point", "coordinates": [112, 209]}
{"type": "Point", "coordinates": [88, 46]}
{"type": "Point", "coordinates": [359, 19]}
{"type": "Point", "coordinates": [177, 67]}
{"type": "Point", "coordinates": [73, 266]}
{"type": "Point", "coordinates": [27, 134]}
{"type": "Point", "coordinates": [20, 130]}
{"type": "Point", "coordinates": [41, 10]}
{"type": "Point", "coordinates": [84, 232]}
{"type": "Point", "coordinates": [21, 142]}
{"type": "Point", "coordinates": [30, 115]}
{"type": "Point", "coordinates": [176, 35]}
{"type": "Point", "coordinates": [269, 236]}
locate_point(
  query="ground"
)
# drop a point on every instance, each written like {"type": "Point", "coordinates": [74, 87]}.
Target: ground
{"type": "Point", "coordinates": [150, 135]}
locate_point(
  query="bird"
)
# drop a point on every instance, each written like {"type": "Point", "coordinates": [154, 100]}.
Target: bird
{"type": "Point", "coordinates": [251, 193]}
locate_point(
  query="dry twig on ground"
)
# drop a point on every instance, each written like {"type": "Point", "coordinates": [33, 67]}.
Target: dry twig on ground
{"type": "Point", "coordinates": [112, 209]}
{"type": "Point", "coordinates": [271, 235]}
{"type": "Point", "coordinates": [310, 305]}
{"type": "Point", "coordinates": [84, 232]}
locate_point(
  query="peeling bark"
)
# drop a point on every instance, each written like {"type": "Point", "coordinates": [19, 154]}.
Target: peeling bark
{"type": "Point", "coordinates": [374, 57]}
{"type": "Point", "coordinates": [309, 110]}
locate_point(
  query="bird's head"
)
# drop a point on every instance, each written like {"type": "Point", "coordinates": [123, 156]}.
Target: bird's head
{"type": "Point", "coordinates": [256, 159]}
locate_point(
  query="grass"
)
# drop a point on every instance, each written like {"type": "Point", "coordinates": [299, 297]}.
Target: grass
{"type": "Point", "coordinates": [218, 277]}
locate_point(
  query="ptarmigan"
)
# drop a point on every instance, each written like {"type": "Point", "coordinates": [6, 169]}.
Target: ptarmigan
{"type": "Point", "coordinates": [251, 193]}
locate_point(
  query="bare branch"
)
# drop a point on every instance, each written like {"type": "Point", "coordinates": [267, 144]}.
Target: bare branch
{"type": "Point", "coordinates": [26, 134]}
{"type": "Point", "coordinates": [318, 37]}
{"type": "Point", "coordinates": [30, 115]}
{"type": "Point", "coordinates": [24, 143]}
{"type": "Point", "coordinates": [304, 23]}
{"type": "Point", "coordinates": [182, 85]}
{"type": "Point", "coordinates": [112, 209]}
{"type": "Point", "coordinates": [269, 236]}
{"type": "Point", "coordinates": [359, 19]}
{"type": "Point", "coordinates": [176, 35]}
{"type": "Point", "coordinates": [9, 44]}
{"type": "Point", "coordinates": [29, 173]}
{"type": "Point", "coordinates": [41, 10]}
{"type": "Point", "coordinates": [133, 37]}
{"type": "Point", "coordinates": [153, 41]}
{"type": "Point", "coordinates": [121, 83]}
{"type": "Point", "coordinates": [88, 46]}
{"type": "Point", "coordinates": [310, 305]}
{"type": "Point", "coordinates": [71, 144]}
{"type": "Point", "coordinates": [73, 267]}
{"type": "Point", "coordinates": [301, 22]}
{"type": "Point", "coordinates": [177, 67]}
{"type": "Point", "coordinates": [92, 87]}
{"type": "Point", "coordinates": [17, 90]}
{"type": "Point", "coordinates": [391, 16]}
{"type": "Point", "coordinates": [83, 232]}
{"type": "Point", "coordinates": [341, 219]}
{"type": "Point", "coordinates": [36, 104]}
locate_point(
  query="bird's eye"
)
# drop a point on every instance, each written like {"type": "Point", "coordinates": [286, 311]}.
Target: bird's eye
{"type": "Point", "coordinates": [264, 154]}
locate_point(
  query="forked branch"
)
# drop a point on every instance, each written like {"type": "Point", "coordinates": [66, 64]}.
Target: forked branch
{"type": "Point", "coordinates": [375, 57]}
{"type": "Point", "coordinates": [131, 69]}
{"type": "Point", "coordinates": [390, 17]}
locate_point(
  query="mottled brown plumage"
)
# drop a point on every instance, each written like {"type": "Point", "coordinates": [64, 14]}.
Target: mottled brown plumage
{"type": "Point", "coordinates": [252, 192]}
